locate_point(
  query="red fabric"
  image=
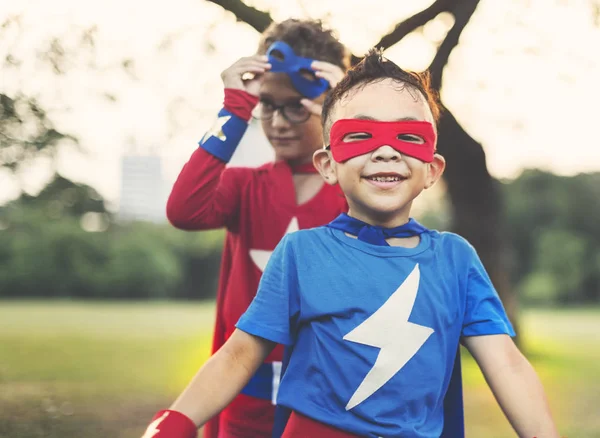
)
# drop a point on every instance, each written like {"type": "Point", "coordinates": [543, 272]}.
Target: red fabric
{"type": "Point", "coordinates": [304, 168]}
{"type": "Point", "coordinates": [256, 205]}
{"type": "Point", "coordinates": [299, 426]}
{"type": "Point", "coordinates": [245, 417]}
{"type": "Point", "coordinates": [171, 424]}
{"type": "Point", "coordinates": [381, 133]}
{"type": "Point", "coordinates": [240, 103]}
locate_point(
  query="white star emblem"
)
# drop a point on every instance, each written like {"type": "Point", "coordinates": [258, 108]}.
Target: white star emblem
{"type": "Point", "coordinates": [217, 129]}
{"type": "Point", "coordinates": [389, 330]}
{"type": "Point", "coordinates": [261, 257]}
{"type": "Point", "coordinates": [152, 428]}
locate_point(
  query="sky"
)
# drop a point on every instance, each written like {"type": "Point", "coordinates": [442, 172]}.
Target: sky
{"type": "Point", "coordinates": [523, 80]}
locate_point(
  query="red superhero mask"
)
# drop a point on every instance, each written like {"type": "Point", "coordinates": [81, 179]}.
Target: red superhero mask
{"type": "Point", "coordinates": [353, 137]}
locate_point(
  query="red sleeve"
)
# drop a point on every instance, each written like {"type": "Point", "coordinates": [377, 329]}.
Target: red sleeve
{"type": "Point", "coordinates": [240, 103]}
{"type": "Point", "coordinates": [206, 195]}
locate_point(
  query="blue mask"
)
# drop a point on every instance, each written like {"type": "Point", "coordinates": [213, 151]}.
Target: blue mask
{"type": "Point", "coordinates": [283, 60]}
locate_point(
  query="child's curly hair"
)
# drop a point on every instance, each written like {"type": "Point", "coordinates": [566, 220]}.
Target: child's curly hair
{"type": "Point", "coordinates": [309, 39]}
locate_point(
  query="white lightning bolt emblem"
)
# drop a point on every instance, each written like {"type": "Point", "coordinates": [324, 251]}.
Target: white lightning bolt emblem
{"type": "Point", "coordinates": [217, 130]}
{"type": "Point", "coordinates": [260, 257]}
{"type": "Point", "coordinates": [388, 329]}
{"type": "Point", "coordinates": [152, 428]}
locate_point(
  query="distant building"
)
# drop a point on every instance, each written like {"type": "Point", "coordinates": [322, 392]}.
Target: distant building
{"type": "Point", "coordinates": [143, 190]}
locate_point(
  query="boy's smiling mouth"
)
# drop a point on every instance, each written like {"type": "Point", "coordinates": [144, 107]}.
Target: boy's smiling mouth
{"type": "Point", "coordinates": [385, 179]}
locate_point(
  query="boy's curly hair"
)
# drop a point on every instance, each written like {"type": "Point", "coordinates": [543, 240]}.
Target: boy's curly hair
{"type": "Point", "coordinates": [309, 39]}
{"type": "Point", "coordinates": [372, 68]}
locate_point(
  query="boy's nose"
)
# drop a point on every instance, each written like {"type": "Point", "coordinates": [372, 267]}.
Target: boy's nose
{"type": "Point", "coordinates": [386, 153]}
{"type": "Point", "coordinates": [278, 121]}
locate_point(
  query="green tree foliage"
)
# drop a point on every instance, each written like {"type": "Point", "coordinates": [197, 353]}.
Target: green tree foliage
{"type": "Point", "coordinates": [62, 197]}
{"type": "Point", "coordinates": [41, 256]}
{"type": "Point", "coordinates": [553, 222]}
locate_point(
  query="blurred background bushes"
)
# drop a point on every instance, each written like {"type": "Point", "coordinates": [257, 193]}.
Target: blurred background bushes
{"type": "Point", "coordinates": [65, 244]}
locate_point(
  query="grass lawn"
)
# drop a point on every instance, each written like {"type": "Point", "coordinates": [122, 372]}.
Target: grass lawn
{"type": "Point", "coordinates": [97, 370]}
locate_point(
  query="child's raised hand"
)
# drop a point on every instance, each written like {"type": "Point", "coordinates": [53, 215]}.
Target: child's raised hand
{"type": "Point", "coordinates": [330, 72]}
{"type": "Point", "coordinates": [312, 106]}
{"type": "Point", "coordinates": [255, 66]}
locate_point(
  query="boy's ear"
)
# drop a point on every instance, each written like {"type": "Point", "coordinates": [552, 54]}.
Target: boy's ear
{"type": "Point", "coordinates": [436, 169]}
{"type": "Point", "coordinates": [324, 163]}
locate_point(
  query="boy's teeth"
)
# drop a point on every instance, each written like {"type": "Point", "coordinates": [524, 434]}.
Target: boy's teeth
{"type": "Point", "coordinates": [385, 178]}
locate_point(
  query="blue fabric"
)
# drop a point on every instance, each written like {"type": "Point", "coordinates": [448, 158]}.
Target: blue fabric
{"type": "Point", "coordinates": [261, 383]}
{"type": "Point", "coordinates": [454, 411]}
{"type": "Point", "coordinates": [282, 413]}
{"type": "Point", "coordinates": [293, 65]}
{"type": "Point", "coordinates": [321, 285]}
{"type": "Point", "coordinates": [374, 234]}
{"type": "Point", "coordinates": [224, 136]}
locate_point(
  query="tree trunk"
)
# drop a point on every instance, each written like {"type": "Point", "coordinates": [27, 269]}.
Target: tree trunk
{"type": "Point", "coordinates": [477, 207]}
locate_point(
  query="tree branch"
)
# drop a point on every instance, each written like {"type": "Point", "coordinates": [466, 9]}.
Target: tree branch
{"type": "Point", "coordinates": [462, 11]}
{"type": "Point", "coordinates": [410, 24]}
{"type": "Point", "coordinates": [259, 20]}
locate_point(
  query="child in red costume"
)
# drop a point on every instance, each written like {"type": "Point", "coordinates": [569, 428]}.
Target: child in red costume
{"type": "Point", "coordinates": [258, 206]}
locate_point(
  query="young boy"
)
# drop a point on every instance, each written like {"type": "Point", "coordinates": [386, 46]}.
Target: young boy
{"type": "Point", "coordinates": [372, 306]}
{"type": "Point", "coordinates": [258, 206]}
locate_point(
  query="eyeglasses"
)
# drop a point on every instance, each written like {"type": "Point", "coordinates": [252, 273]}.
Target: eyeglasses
{"type": "Point", "coordinates": [294, 112]}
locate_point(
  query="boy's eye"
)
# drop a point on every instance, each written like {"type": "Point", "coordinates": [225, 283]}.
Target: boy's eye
{"type": "Point", "coordinates": [266, 104]}
{"type": "Point", "coordinates": [296, 106]}
{"type": "Point", "coordinates": [410, 138]}
{"type": "Point", "coordinates": [357, 136]}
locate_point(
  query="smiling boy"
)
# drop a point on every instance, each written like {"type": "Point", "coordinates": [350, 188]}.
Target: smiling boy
{"type": "Point", "coordinates": [373, 306]}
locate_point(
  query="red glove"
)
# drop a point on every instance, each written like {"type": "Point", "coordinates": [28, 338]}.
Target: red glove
{"type": "Point", "coordinates": [171, 424]}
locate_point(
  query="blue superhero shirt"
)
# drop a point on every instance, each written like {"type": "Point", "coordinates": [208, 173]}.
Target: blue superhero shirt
{"type": "Point", "coordinates": [374, 329]}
